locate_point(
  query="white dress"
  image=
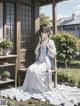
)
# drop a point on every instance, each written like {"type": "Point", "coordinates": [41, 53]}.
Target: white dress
{"type": "Point", "coordinates": [37, 72]}
{"type": "Point", "coordinates": [38, 82]}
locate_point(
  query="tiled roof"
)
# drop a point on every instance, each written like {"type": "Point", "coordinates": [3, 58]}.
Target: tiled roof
{"type": "Point", "coordinates": [69, 20]}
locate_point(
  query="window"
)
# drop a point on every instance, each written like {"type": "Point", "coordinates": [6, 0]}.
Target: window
{"type": "Point", "coordinates": [78, 26]}
{"type": "Point", "coordinates": [10, 21]}
{"type": "Point", "coordinates": [69, 27]}
{"type": "Point", "coordinates": [1, 21]}
{"type": "Point", "coordinates": [25, 26]}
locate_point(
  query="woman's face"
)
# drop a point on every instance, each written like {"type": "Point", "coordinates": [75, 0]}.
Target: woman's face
{"type": "Point", "coordinates": [44, 35]}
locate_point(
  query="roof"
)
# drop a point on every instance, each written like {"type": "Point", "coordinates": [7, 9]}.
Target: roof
{"type": "Point", "coordinates": [69, 20]}
{"type": "Point", "coordinates": [46, 2]}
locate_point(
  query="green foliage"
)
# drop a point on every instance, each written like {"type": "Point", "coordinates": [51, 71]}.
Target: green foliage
{"type": "Point", "coordinates": [78, 45]}
{"type": "Point", "coordinates": [71, 79]}
{"type": "Point", "coordinates": [44, 19]}
{"type": "Point", "coordinates": [64, 76]}
{"type": "Point", "coordinates": [6, 44]}
{"type": "Point", "coordinates": [71, 72]}
{"type": "Point", "coordinates": [66, 45]}
{"type": "Point", "coordinates": [6, 74]}
{"type": "Point", "coordinates": [79, 82]}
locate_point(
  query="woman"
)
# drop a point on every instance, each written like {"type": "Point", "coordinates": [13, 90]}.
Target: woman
{"type": "Point", "coordinates": [37, 72]}
{"type": "Point", "coordinates": [38, 78]}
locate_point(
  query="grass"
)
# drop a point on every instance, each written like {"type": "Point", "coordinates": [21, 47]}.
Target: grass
{"type": "Point", "coordinates": [71, 71]}
{"type": "Point", "coordinates": [31, 102]}
{"type": "Point", "coordinates": [75, 62]}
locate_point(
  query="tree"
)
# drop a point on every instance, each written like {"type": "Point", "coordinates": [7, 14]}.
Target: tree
{"type": "Point", "coordinates": [44, 19]}
{"type": "Point", "coordinates": [66, 45]}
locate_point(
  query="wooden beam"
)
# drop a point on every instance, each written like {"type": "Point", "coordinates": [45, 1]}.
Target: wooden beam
{"type": "Point", "coordinates": [18, 33]}
{"type": "Point", "coordinates": [47, 2]}
{"type": "Point", "coordinates": [55, 74]}
{"type": "Point", "coordinates": [54, 13]}
{"type": "Point", "coordinates": [36, 23]}
{"type": "Point", "coordinates": [54, 32]}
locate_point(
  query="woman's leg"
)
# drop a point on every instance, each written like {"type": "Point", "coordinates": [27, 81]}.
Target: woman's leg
{"type": "Point", "coordinates": [34, 79]}
{"type": "Point", "coordinates": [28, 77]}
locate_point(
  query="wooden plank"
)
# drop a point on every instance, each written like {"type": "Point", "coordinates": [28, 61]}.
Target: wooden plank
{"type": "Point", "coordinates": [7, 64]}
{"type": "Point", "coordinates": [16, 72]}
{"type": "Point", "coordinates": [23, 69]}
{"type": "Point", "coordinates": [7, 81]}
{"type": "Point", "coordinates": [7, 56]}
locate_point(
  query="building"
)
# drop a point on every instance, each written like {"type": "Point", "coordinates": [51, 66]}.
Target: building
{"type": "Point", "coordinates": [70, 24]}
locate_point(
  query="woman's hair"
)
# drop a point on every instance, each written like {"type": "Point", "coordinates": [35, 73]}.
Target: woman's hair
{"type": "Point", "coordinates": [44, 28]}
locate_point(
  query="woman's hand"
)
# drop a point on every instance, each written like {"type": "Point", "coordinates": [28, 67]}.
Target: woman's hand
{"type": "Point", "coordinates": [48, 46]}
{"type": "Point", "coordinates": [39, 44]}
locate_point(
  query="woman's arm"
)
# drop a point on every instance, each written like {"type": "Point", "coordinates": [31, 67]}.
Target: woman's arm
{"type": "Point", "coordinates": [37, 48]}
{"type": "Point", "coordinates": [51, 49]}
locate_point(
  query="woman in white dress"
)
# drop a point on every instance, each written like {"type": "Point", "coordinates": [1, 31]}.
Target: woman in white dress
{"type": "Point", "coordinates": [37, 82]}
{"type": "Point", "coordinates": [36, 79]}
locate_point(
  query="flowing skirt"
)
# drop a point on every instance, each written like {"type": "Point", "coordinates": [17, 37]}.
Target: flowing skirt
{"type": "Point", "coordinates": [38, 84]}
{"type": "Point", "coordinates": [36, 79]}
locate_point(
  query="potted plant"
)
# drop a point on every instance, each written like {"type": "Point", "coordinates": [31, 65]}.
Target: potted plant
{"type": "Point", "coordinates": [6, 75]}
{"type": "Point", "coordinates": [6, 45]}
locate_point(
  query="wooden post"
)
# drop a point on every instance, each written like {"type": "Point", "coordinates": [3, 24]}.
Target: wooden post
{"type": "Point", "coordinates": [55, 74]}
{"type": "Point", "coordinates": [18, 34]}
{"type": "Point", "coordinates": [54, 13]}
{"type": "Point", "coordinates": [54, 31]}
{"type": "Point", "coordinates": [36, 22]}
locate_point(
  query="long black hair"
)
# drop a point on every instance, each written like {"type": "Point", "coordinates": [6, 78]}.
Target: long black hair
{"type": "Point", "coordinates": [44, 28]}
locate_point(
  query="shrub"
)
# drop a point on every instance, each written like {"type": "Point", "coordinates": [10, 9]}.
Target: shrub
{"type": "Point", "coordinates": [78, 44]}
{"type": "Point", "coordinates": [66, 45]}
{"type": "Point", "coordinates": [62, 76]}
{"type": "Point", "coordinates": [71, 79]}
{"type": "Point", "coordinates": [79, 82]}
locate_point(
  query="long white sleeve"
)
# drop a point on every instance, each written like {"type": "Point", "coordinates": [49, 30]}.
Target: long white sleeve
{"type": "Point", "coordinates": [52, 49]}
{"type": "Point", "coordinates": [37, 50]}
